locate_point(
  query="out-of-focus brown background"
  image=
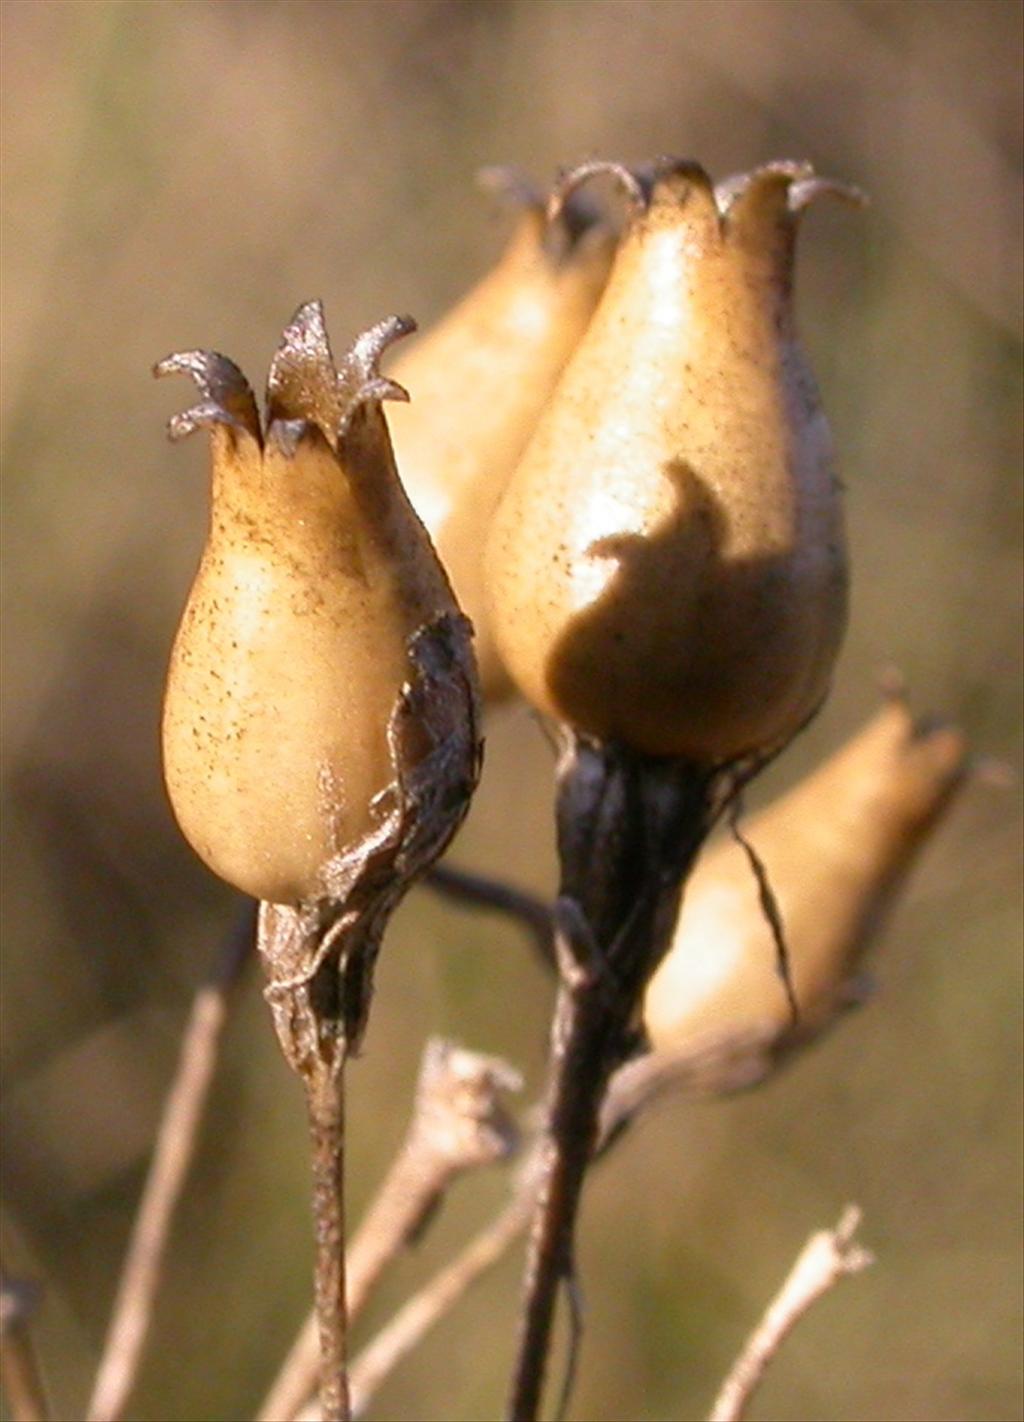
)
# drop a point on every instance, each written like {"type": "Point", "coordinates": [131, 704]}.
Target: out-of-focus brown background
{"type": "Point", "coordinates": [185, 174]}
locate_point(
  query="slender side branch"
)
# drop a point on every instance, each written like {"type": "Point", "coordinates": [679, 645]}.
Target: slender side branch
{"type": "Point", "coordinates": [827, 1257]}
{"type": "Point", "coordinates": [533, 914]}
{"type": "Point", "coordinates": [459, 1122]}
{"type": "Point", "coordinates": [172, 1157]}
{"type": "Point", "coordinates": [425, 1308]}
{"type": "Point", "coordinates": [19, 1367]}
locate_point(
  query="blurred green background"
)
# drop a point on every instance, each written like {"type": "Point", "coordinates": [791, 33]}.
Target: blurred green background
{"type": "Point", "coordinates": [184, 174]}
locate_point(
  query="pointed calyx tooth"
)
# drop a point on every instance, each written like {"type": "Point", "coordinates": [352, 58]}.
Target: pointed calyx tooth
{"type": "Point", "coordinates": [562, 230]}
{"type": "Point", "coordinates": [303, 383]}
{"type": "Point", "coordinates": [227, 396]}
{"type": "Point", "coordinates": [359, 380]}
{"type": "Point", "coordinates": [633, 183]}
{"type": "Point", "coordinates": [680, 175]}
{"type": "Point", "coordinates": [778, 176]}
{"type": "Point", "coordinates": [791, 184]}
{"type": "Point", "coordinates": [639, 184]}
{"type": "Point", "coordinates": [807, 190]}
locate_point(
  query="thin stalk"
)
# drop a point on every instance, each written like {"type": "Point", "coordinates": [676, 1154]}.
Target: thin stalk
{"type": "Point", "coordinates": [176, 1140]}
{"type": "Point", "coordinates": [20, 1374]}
{"type": "Point", "coordinates": [459, 1123]}
{"type": "Point", "coordinates": [319, 961]}
{"type": "Point", "coordinates": [629, 828]}
{"type": "Point", "coordinates": [828, 1256]}
{"type": "Point", "coordinates": [735, 1061]}
{"type": "Point", "coordinates": [325, 1105]}
{"type": "Point", "coordinates": [422, 1311]}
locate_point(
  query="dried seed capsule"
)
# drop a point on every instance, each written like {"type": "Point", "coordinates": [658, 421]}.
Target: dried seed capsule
{"type": "Point", "coordinates": [295, 711]}
{"type": "Point", "coordinates": [667, 565]}
{"type": "Point", "coordinates": [836, 849]}
{"type": "Point", "coordinates": [480, 378]}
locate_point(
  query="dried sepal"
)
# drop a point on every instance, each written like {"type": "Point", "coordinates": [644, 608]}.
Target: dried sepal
{"type": "Point", "coordinates": [303, 382]}
{"type": "Point", "coordinates": [560, 227]}
{"type": "Point", "coordinates": [359, 379]}
{"type": "Point", "coordinates": [460, 1115]}
{"type": "Point", "coordinates": [227, 395]}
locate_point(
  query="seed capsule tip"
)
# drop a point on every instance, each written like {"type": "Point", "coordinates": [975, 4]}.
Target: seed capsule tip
{"type": "Point", "coordinates": [307, 327]}
{"type": "Point", "coordinates": [631, 182]}
{"type": "Point", "coordinates": [359, 377]}
{"type": "Point", "coordinates": [227, 396]}
{"type": "Point", "coordinates": [371, 344]}
{"type": "Point", "coordinates": [807, 190]}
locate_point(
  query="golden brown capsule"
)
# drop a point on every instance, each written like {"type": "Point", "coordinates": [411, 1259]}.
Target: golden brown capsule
{"type": "Point", "coordinates": [479, 380]}
{"type": "Point", "coordinates": [835, 849]}
{"type": "Point", "coordinates": [667, 566]}
{"type": "Point", "coordinates": [294, 706]}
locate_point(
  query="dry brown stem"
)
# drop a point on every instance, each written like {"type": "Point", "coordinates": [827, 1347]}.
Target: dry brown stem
{"type": "Point", "coordinates": [325, 1103]}
{"type": "Point", "coordinates": [828, 1256]}
{"type": "Point", "coordinates": [175, 1146]}
{"type": "Point", "coordinates": [716, 1066]}
{"type": "Point", "coordinates": [629, 827]}
{"type": "Point", "coordinates": [459, 1122]}
{"type": "Point", "coordinates": [19, 1367]}
{"type": "Point", "coordinates": [426, 1307]}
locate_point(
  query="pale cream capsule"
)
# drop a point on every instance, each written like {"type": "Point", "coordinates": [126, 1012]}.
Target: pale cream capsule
{"type": "Point", "coordinates": [296, 645]}
{"type": "Point", "coordinates": [479, 379]}
{"type": "Point", "coordinates": [836, 849]}
{"type": "Point", "coordinates": [667, 567]}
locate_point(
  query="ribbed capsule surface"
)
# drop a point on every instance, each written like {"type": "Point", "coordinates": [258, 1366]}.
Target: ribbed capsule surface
{"type": "Point", "coordinates": [667, 566]}
{"type": "Point", "coordinates": [479, 380]}
{"type": "Point", "coordinates": [836, 849]}
{"type": "Point", "coordinates": [294, 648]}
